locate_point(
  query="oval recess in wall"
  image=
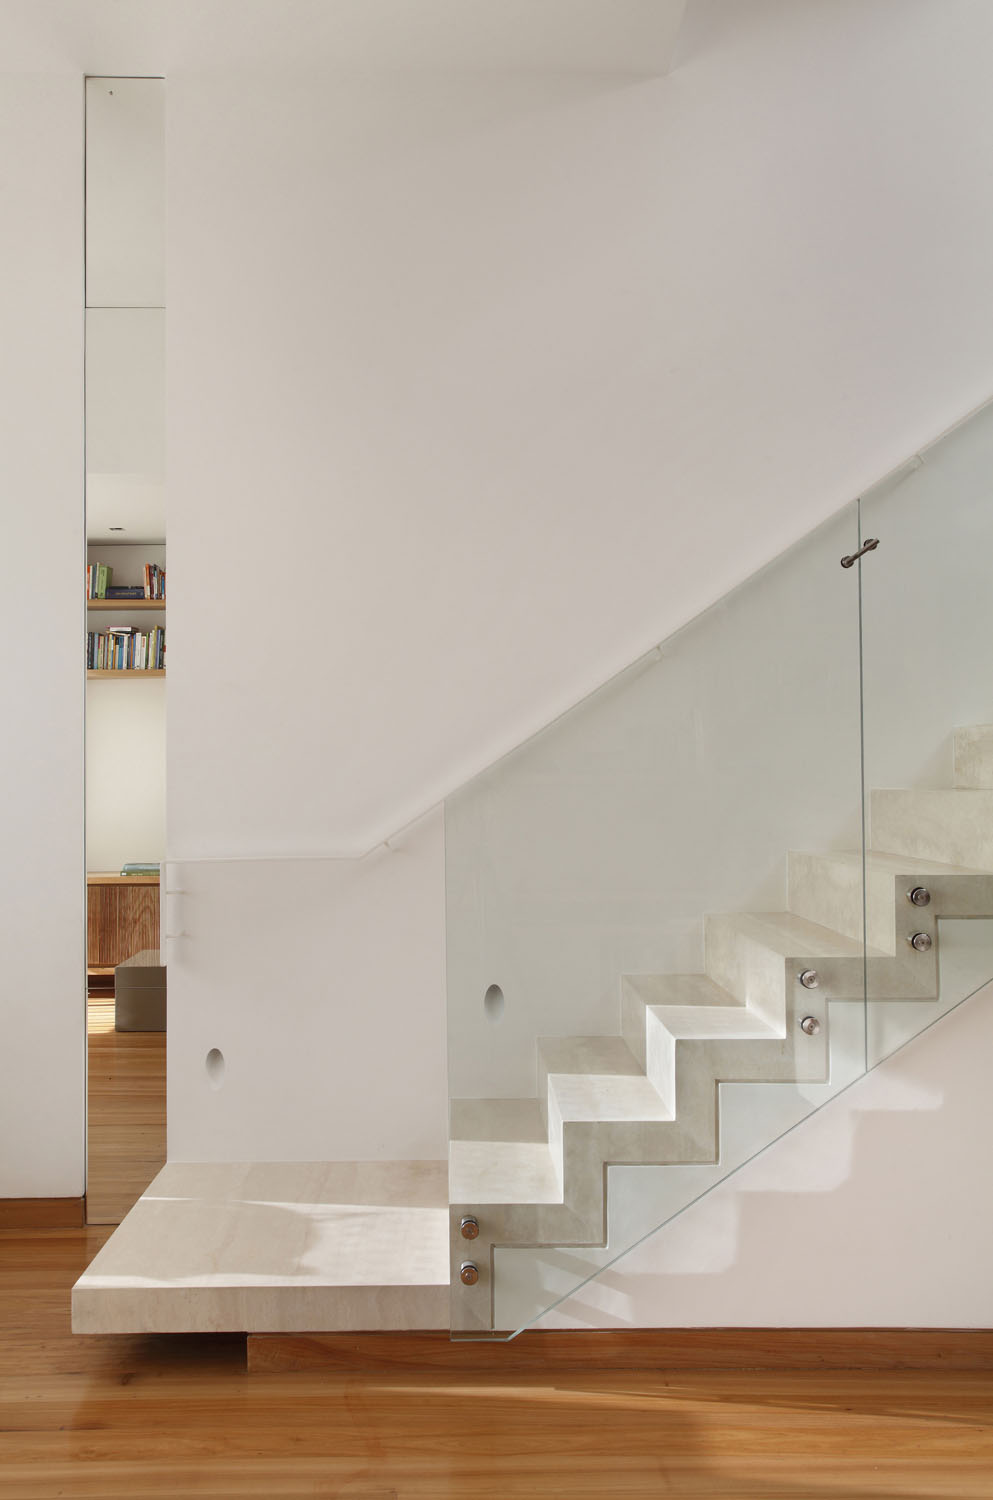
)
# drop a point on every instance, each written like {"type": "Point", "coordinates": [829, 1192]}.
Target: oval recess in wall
{"type": "Point", "coordinates": [493, 1003]}
{"type": "Point", "coordinates": [215, 1067]}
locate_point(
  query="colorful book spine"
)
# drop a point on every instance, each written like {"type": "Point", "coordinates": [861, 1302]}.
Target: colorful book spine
{"type": "Point", "coordinates": [124, 649]}
{"type": "Point", "coordinates": [155, 581]}
{"type": "Point", "coordinates": [98, 579]}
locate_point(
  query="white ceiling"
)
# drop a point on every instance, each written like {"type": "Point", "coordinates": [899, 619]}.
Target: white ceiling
{"type": "Point", "coordinates": [134, 502]}
{"type": "Point", "coordinates": [157, 36]}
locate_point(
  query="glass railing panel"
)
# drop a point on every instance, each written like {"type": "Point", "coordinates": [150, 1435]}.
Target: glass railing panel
{"type": "Point", "coordinates": [927, 625]}
{"type": "Point", "coordinates": [627, 931]}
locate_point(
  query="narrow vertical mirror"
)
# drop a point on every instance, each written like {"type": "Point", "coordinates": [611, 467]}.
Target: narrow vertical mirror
{"type": "Point", "coordinates": [125, 641]}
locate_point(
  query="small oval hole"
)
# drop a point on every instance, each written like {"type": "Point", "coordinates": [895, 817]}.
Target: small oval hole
{"type": "Point", "coordinates": [215, 1067]}
{"type": "Point", "coordinates": [493, 1003]}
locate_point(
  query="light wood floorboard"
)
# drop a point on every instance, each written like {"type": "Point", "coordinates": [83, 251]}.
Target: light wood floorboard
{"type": "Point", "coordinates": [126, 1132]}
{"type": "Point", "coordinates": [134, 1417]}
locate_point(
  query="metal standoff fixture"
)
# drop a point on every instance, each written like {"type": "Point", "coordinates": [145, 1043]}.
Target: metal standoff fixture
{"type": "Point", "coordinates": [867, 546]}
{"type": "Point", "coordinates": [468, 1273]}
{"type": "Point", "coordinates": [809, 979]}
{"type": "Point", "coordinates": [810, 1025]}
{"type": "Point", "coordinates": [921, 941]}
{"type": "Point", "coordinates": [469, 1228]}
{"type": "Point", "coordinates": [919, 896]}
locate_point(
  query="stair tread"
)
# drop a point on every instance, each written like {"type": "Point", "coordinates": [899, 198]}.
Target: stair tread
{"type": "Point", "coordinates": [713, 1022]}
{"type": "Point", "coordinates": [694, 1007]}
{"type": "Point", "coordinates": [896, 864]}
{"type": "Point", "coordinates": [795, 937]}
{"type": "Point", "coordinates": [588, 1054]}
{"type": "Point", "coordinates": [502, 1172]}
{"type": "Point", "coordinates": [496, 1120]}
{"type": "Point", "coordinates": [951, 824]}
{"type": "Point", "coordinates": [681, 990]}
{"type": "Point", "coordinates": [591, 1097]}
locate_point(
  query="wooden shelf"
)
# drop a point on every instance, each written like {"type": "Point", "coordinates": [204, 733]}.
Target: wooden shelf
{"type": "Point", "coordinates": [126, 604]}
{"type": "Point", "coordinates": [125, 672]}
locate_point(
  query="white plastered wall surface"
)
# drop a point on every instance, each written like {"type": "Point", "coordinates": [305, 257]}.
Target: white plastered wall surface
{"type": "Point", "coordinates": [42, 902]}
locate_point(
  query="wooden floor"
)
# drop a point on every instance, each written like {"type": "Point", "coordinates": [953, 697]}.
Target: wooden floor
{"type": "Point", "coordinates": [132, 1417]}
{"type": "Point", "coordinates": [127, 1113]}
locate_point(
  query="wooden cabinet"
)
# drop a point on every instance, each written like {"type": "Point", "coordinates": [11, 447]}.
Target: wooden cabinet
{"type": "Point", "coordinates": [122, 918]}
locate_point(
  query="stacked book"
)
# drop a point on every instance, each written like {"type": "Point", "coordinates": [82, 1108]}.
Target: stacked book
{"type": "Point", "coordinates": [125, 649]}
{"type": "Point", "coordinates": [154, 581]}
{"type": "Point", "coordinates": [98, 577]}
{"type": "Point", "coordinates": [138, 868]}
{"type": "Point", "coordinates": [125, 591]}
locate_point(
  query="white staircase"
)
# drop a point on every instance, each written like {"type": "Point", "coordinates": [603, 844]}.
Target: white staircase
{"type": "Point", "coordinates": [364, 1245]}
{"type": "Point", "coordinates": [650, 1095]}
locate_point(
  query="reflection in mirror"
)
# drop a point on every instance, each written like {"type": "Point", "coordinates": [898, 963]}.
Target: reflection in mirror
{"type": "Point", "coordinates": [125, 192]}
{"type": "Point", "coordinates": [125, 415]}
{"type": "Point", "coordinates": [125, 646]}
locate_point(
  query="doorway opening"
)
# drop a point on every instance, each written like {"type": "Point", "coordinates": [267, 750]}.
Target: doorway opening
{"type": "Point", "coordinates": [125, 579]}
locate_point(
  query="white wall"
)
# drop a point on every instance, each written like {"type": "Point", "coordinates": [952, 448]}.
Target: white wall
{"type": "Point", "coordinates": [42, 892]}
{"type": "Point", "coordinates": [125, 771]}
{"type": "Point", "coordinates": [125, 422]}
{"type": "Point", "coordinates": [323, 985]}
{"type": "Point", "coordinates": [501, 378]}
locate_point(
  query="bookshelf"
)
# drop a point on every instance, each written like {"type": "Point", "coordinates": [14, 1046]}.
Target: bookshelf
{"type": "Point", "coordinates": [121, 606]}
{"type": "Point", "coordinates": [136, 648]}
{"type": "Point", "coordinates": [108, 672]}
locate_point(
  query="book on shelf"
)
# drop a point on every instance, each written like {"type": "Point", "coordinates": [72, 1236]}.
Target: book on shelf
{"type": "Point", "coordinates": [125, 649]}
{"type": "Point", "coordinates": [126, 591]}
{"type": "Point", "coordinates": [100, 583]}
{"type": "Point", "coordinates": [98, 580]}
{"type": "Point", "coordinates": [138, 868]}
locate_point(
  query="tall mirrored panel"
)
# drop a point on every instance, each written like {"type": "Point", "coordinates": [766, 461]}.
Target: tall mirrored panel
{"type": "Point", "coordinates": [125, 641]}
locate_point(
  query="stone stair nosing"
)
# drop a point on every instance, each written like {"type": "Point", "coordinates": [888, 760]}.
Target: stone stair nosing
{"type": "Point", "coordinates": [650, 1095]}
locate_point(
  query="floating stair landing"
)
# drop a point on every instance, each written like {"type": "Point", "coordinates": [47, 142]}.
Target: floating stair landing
{"type": "Point", "coordinates": [275, 1248]}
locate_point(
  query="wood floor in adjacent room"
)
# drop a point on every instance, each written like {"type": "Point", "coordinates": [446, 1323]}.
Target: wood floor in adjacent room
{"type": "Point", "coordinates": [126, 1130]}
{"type": "Point", "coordinates": [93, 1418]}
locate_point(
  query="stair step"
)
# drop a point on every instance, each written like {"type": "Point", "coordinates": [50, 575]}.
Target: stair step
{"type": "Point", "coordinates": [503, 1172]}
{"type": "Point", "coordinates": [677, 989]}
{"type": "Point", "coordinates": [952, 826]}
{"type": "Point", "coordinates": [973, 756]}
{"type": "Point", "coordinates": [595, 1078]}
{"type": "Point", "coordinates": [691, 1007]}
{"type": "Point", "coordinates": [586, 1054]}
{"type": "Point", "coordinates": [594, 1097]}
{"type": "Point", "coordinates": [683, 990]}
{"type": "Point", "coordinates": [496, 1120]}
{"type": "Point", "coordinates": [275, 1247]}
{"type": "Point", "coordinates": [787, 934]}
{"type": "Point", "coordinates": [749, 954]}
{"type": "Point", "coordinates": [828, 888]}
{"type": "Point", "coordinates": [731, 1023]}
